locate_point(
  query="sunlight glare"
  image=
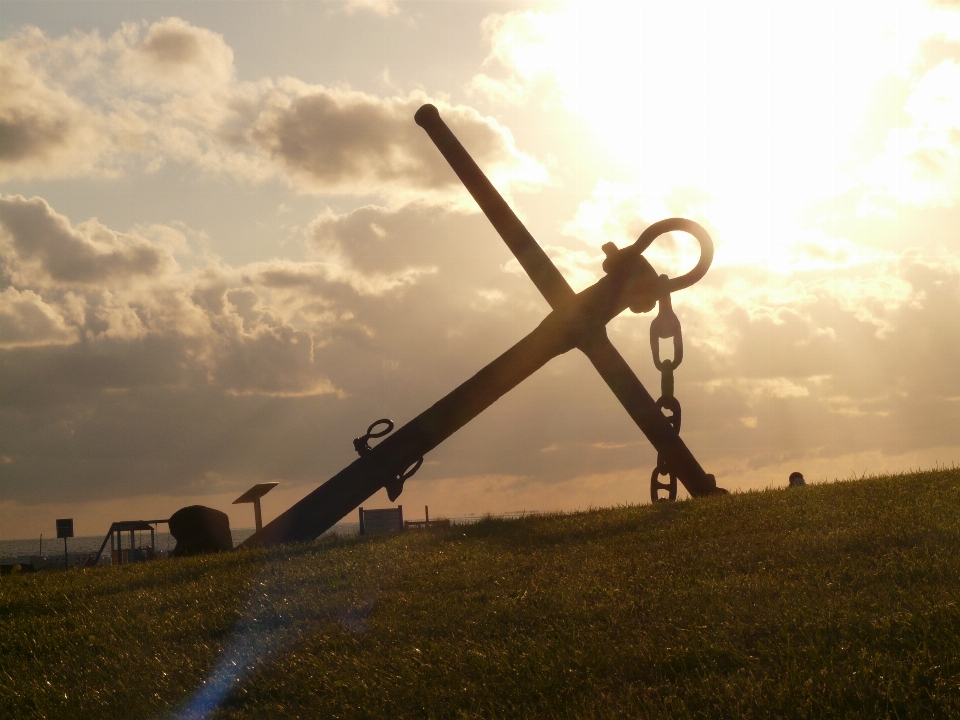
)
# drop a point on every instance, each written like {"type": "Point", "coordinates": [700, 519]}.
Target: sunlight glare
{"type": "Point", "coordinates": [762, 107]}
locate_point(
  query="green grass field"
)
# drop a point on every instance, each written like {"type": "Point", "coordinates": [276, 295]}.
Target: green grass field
{"type": "Point", "coordinates": [835, 600]}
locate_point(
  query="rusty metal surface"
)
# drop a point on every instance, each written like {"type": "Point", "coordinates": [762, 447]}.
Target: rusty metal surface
{"type": "Point", "coordinates": [577, 320]}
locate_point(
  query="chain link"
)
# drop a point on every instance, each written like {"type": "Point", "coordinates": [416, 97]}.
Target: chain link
{"type": "Point", "coordinates": [666, 325]}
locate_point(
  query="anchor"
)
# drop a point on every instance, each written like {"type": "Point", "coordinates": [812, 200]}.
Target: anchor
{"type": "Point", "coordinates": [576, 320]}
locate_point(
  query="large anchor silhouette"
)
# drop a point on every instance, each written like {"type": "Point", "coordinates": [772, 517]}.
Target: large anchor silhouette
{"type": "Point", "coordinates": [577, 320]}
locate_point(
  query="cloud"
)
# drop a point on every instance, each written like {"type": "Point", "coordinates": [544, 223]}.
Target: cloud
{"type": "Point", "coordinates": [82, 105]}
{"type": "Point", "coordinates": [130, 367]}
{"type": "Point", "coordinates": [25, 319]}
{"type": "Point", "coordinates": [920, 163]}
{"type": "Point", "coordinates": [262, 370]}
{"type": "Point", "coordinates": [196, 381]}
{"type": "Point", "coordinates": [384, 8]}
{"type": "Point", "coordinates": [44, 244]}
{"type": "Point", "coordinates": [44, 131]}
{"type": "Point", "coordinates": [341, 140]}
{"type": "Point", "coordinates": [76, 292]}
{"type": "Point", "coordinates": [729, 112]}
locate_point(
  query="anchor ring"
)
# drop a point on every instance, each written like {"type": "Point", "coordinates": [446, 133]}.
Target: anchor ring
{"type": "Point", "coordinates": [690, 227]}
{"type": "Point", "coordinates": [381, 433]}
{"type": "Point", "coordinates": [362, 444]}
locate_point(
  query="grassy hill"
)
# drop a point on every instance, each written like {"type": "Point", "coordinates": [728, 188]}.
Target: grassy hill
{"type": "Point", "coordinates": [826, 601]}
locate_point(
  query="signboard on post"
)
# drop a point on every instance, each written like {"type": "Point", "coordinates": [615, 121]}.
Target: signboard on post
{"type": "Point", "coordinates": [65, 528]}
{"type": "Point", "coordinates": [375, 522]}
{"type": "Point", "coordinates": [253, 495]}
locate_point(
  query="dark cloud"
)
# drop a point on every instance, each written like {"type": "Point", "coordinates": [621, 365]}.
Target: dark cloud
{"type": "Point", "coordinates": [24, 136]}
{"type": "Point", "coordinates": [338, 139]}
{"type": "Point", "coordinates": [176, 45]}
{"type": "Point", "coordinates": [376, 239]}
{"type": "Point", "coordinates": [36, 121]}
{"type": "Point", "coordinates": [263, 371]}
{"type": "Point", "coordinates": [91, 254]}
{"type": "Point", "coordinates": [269, 370]}
{"type": "Point", "coordinates": [25, 319]}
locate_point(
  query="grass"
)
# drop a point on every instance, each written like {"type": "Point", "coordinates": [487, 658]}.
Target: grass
{"type": "Point", "coordinates": [828, 601]}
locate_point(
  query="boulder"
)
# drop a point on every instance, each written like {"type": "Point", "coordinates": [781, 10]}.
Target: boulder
{"type": "Point", "coordinates": [199, 530]}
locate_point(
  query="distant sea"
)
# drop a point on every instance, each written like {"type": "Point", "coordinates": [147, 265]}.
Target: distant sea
{"type": "Point", "coordinates": [53, 547]}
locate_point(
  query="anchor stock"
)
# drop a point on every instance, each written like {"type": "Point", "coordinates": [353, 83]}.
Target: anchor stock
{"type": "Point", "coordinates": [577, 320]}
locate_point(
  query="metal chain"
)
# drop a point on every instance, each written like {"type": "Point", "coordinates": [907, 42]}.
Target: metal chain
{"type": "Point", "coordinates": [666, 325]}
{"type": "Point", "coordinates": [362, 446]}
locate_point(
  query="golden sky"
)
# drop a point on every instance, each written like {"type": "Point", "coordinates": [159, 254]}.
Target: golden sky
{"type": "Point", "coordinates": [226, 248]}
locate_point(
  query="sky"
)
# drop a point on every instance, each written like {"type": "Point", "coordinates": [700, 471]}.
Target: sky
{"type": "Point", "coordinates": [226, 248]}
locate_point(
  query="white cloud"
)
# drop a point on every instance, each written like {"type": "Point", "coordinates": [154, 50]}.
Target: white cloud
{"type": "Point", "coordinates": [384, 8]}
{"type": "Point", "coordinates": [920, 164]}
{"type": "Point", "coordinates": [44, 131]}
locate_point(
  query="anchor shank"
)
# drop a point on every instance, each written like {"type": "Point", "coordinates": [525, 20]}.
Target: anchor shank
{"type": "Point", "coordinates": [326, 505]}
{"type": "Point", "coordinates": [551, 284]}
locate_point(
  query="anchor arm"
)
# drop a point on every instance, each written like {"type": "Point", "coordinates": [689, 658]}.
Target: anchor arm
{"type": "Point", "coordinates": [551, 284]}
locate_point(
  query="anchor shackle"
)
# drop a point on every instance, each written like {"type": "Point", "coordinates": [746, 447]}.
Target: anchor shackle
{"type": "Point", "coordinates": [630, 259]}
{"type": "Point", "coordinates": [670, 285]}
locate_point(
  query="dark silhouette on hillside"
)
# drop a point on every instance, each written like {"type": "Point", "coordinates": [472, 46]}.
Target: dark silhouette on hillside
{"type": "Point", "coordinates": [577, 320]}
{"type": "Point", "coordinates": [199, 529]}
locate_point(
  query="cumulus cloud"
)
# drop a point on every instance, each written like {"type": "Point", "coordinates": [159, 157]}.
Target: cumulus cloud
{"type": "Point", "coordinates": [93, 289]}
{"type": "Point", "coordinates": [139, 367]}
{"type": "Point", "coordinates": [25, 319]}
{"type": "Point", "coordinates": [83, 105]}
{"type": "Point", "coordinates": [341, 140]}
{"type": "Point", "coordinates": [44, 131]}
{"type": "Point", "coordinates": [43, 244]}
{"type": "Point", "coordinates": [267, 370]}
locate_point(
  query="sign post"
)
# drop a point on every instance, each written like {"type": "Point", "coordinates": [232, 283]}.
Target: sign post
{"type": "Point", "coordinates": [65, 530]}
{"type": "Point", "coordinates": [253, 495]}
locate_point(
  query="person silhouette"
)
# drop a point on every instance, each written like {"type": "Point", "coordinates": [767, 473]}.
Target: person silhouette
{"type": "Point", "coordinates": [796, 480]}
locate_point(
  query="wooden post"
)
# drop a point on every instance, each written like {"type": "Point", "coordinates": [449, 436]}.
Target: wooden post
{"type": "Point", "coordinates": [257, 518]}
{"type": "Point", "coordinates": [426, 513]}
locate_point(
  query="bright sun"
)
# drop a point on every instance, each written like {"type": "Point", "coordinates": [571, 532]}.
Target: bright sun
{"type": "Point", "coordinates": [756, 110]}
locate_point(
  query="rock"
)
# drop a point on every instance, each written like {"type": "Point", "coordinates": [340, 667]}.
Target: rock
{"type": "Point", "coordinates": [199, 530]}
